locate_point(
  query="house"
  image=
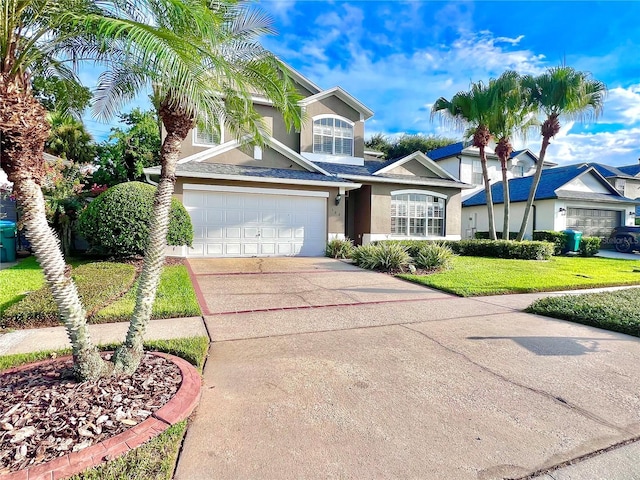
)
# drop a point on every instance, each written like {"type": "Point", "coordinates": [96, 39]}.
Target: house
{"type": "Point", "coordinates": [462, 160]}
{"type": "Point", "coordinates": [309, 186]}
{"type": "Point", "coordinates": [574, 197]}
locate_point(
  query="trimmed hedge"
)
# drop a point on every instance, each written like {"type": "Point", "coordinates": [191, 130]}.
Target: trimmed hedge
{"type": "Point", "coordinates": [98, 283]}
{"type": "Point", "coordinates": [117, 221]}
{"type": "Point", "coordinates": [559, 239]}
{"type": "Point", "coordinates": [526, 250]}
{"type": "Point", "coordinates": [485, 235]}
{"type": "Point", "coordinates": [589, 246]}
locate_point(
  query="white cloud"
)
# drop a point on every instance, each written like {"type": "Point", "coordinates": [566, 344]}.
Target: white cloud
{"type": "Point", "coordinates": [622, 105]}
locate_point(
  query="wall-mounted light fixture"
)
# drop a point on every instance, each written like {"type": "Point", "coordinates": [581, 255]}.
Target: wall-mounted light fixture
{"type": "Point", "coordinates": [562, 210]}
{"type": "Point", "coordinates": [338, 198]}
{"type": "Point", "coordinates": [632, 214]}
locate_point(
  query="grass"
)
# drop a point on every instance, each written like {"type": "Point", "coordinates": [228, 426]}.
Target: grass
{"type": "Point", "coordinates": [175, 298]}
{"type": "Point", "coordinates": [26, 303]}
{"type": "Point", "coordinates": [473, 276]}
{"type": "Point", "coordinates": [155, 459]}
{"type": "Point", "coordinates": [616, 310]}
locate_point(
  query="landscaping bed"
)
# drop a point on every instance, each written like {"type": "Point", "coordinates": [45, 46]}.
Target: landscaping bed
{"type": "Point", "coordinates": [71, 416]}
{"type": "Point", "coordinates": [473, 276]}
{"type": "Point", "coordinates": [616, 310]}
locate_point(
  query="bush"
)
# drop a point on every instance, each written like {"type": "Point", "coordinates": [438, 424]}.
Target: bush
{"type": "Point", "coordinates": [589, 246]}
{"type": "Point", "coordinates": [117, 222]}
{"type": "Point", "coordinates": [559, 239]}
{"type": "Point", "coordinates": [485, 235]}
{"type": "Point", "coordinates": [339, 248]}
{"type": "Point", "coordinates": [385, 257]}
{"type": "Point", "coordinates": [526, 250]}
{"type": "Point", "coordinates": [433, 256]}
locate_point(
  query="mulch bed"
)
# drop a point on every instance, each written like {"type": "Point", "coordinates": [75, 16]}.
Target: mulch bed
{"type": "Point", "coordinates": [45, 413]}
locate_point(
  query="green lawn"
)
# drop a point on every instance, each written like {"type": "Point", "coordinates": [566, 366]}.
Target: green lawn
{"type": "Point", "coordinates": [155, 459]}
{"type": "Point", "coordinates": [106, 288]}
{"type": "Point", "coordinates": [472, 276]}
{"type": "Point", "coordinates": [616, 310]}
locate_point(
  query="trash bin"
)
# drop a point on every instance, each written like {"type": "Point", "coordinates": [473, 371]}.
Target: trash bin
{"type": "Point", "coordinates": [572, 243]}
{"type": "Point", "coordinates": [8, 234]}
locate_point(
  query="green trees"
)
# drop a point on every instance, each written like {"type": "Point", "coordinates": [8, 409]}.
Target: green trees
{"type": "Point", "coordinates": [559, 92]}
{"type": "Point", "coordinates": [194, 54]}
{"type": "Point", "coordinates": [406, 144]}
{"type": "Point", "coordinates": [472, 111]}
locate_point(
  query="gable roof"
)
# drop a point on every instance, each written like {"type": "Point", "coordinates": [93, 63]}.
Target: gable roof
{"type": "Point", "coordinates": [447, 151]}
{"type": "Point", "coordinates": [301, 79]}
{"type": "Point", "coordinates": [421, 158]}
{"type": "Point", "coordinates": [551, 180]}
{"type": "Point", "coordinates": [347, 98]}
{"type": "Point", "coordinates": [632, 170]}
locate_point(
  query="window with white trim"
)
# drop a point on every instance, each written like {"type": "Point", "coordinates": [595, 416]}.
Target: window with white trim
{"type": "Point", "coordinates": [332, 136]}
{"type": "Point", "coordinates": [476, 173]}
{"type": "Point", "coordinates": [205, 138]}
{"type": "Point", "coordinates": [517, 171]}
{"type": "Point", "coordinates": [417, 215]}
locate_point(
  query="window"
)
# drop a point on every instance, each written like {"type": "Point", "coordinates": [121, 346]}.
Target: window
{"type": "Point", "coordinates": [332, 136]}
{"type": "Point", "coordinates": [476, 173]}
{"type": "Point", "coordinates": [417, 215]}
{"type": "Point", "coordinates": [621, 183]}
{"type": "Point", "coordinates": [517, 170]}
{"type": "Point", "coordinates": [205, 138]}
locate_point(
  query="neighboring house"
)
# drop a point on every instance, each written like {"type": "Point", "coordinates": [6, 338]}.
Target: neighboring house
{"type": "Point", "coordinates": [307, 187]}
{"type": "Point", "coordinates": [625, 179]}
{"type": "Point", "coordinates": [462, 160]}
{"type": "Point", "coordinates": [574, 197]}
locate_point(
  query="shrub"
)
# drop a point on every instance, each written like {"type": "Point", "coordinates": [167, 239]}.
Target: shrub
{"type": "Point", "coordinates": [526, 250]}
{"type": "Point", "coordinates": [385, 257]}
{"type": "Point", "coordinates": [589, 246]}
{"type": "Point", "coordinates": [559, 239]}
{"type": "Point", "coordinates": [339, 248]}
{"type": "Point", "coordinates": [117, 222]}
{"type": "Point", "coordinates": [433, 256]}
{"type": "Point", "coordinates": [485, 235]}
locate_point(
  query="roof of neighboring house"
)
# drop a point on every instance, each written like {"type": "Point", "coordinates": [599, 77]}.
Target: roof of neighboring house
{"type": "Point", "coordinates": [447, 151]}
{"type": "Point", "coordinates": [550, 181]}
{"type": "Point", "coordinates": [631, 170]}
{"type": "Point", "coordinates": [225, 171]}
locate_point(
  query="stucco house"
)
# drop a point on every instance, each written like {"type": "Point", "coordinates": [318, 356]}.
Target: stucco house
{"type": "Point", "coordinates": [574, 197]}
{"type": "Point", "coordinates": [462, 161]}
{"type": "Point", "coordinates": [309, 186]}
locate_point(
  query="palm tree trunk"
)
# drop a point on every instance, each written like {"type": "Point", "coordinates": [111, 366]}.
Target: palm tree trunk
{"type": "Point", "coordinates": [128, 356]}
{"type": "Point", "coordinates": [506, 198]}
{"type": "Point", "coordinates": [24, 132]}
{"type": "Point", "coordinates": [550, 128]}
{"type": "Point", "coordinates": [488, 194]}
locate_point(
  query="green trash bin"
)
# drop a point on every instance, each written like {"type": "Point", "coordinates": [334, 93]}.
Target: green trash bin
{"type": "Point", "coordinates": [573, 241]}
{"type": "Point", "coordinates": [8, 235]}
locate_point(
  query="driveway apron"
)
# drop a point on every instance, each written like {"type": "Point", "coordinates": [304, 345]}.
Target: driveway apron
{"type": "Point", "coordinates": [318, 369]}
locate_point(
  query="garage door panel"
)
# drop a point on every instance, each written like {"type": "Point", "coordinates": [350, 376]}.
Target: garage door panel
{"type": "Point", "coordinates": [250, 224]}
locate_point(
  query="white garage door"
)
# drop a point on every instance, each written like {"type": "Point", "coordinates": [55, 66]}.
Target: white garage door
{"type": "Point", "coordinates": [592, 222]}
{"type": "Point", "coordinates": [238, 224]}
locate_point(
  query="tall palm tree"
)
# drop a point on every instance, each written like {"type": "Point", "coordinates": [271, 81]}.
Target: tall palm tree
{"type": "Point", "coordinates": [510, 116]}
{"type": "Point", "coordinates": [472, 111]}
{"type": "Point", "coordinates": [234, 68]}
{"type": "Point", "coordinates": [559, 92]}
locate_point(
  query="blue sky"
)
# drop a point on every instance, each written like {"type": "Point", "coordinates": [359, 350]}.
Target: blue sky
{"type": "Point", "coordinates": [399, 57]}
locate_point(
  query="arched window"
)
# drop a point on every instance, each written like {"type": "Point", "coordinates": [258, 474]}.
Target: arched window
{"type": "Point", "coordinates": [417, 214]}
{"type": "Point", "coordinates": [332, 136]}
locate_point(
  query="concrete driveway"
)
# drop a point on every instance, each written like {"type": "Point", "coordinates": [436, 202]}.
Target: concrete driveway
{"type": "Point", "coordinates": [322, 370]}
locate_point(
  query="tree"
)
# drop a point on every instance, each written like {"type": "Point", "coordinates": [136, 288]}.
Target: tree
{"type": "Point", "coordinates": [559, 92]}
{"type": "Point", "coordinates": [129, 149]}
{"type": "Point", "coordinates": [60, 95]}
{"type": "Point", "coordinates": [42, 35]}
{"type": "Point", "coordinates": [69, 139]}
{"type": "Point", "coordinates": [406, 144]}
{"type": "Point", "coordinates": [234, 67]}
{"type": "Point", "coordinates": [510, 116]}
{"type": "Point", "coordinates": [472, 111]}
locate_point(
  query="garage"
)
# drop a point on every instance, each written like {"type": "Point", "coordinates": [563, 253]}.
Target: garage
{"type": "Point", "coordinates": [256, 222]}
{"type": "Point", "coordinates": [593, 222]}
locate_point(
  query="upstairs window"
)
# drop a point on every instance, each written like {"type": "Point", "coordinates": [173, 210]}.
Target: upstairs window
{"type": "Point", "coordinates": [417, 215]}
{"type": "Point", "coordinates": [621, 183]}
{"type": "Point", "coordinates": [205, 138]}
{"type": "Point", "coordinates": [517, 171]}
{"type": "Point", "coordinates": [476, 173]}
{"type": "Point", "coordinates": [332, 136]}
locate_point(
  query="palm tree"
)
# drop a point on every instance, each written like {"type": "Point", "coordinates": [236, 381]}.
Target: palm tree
{"type": "Point", "coordinates": [559, 92]}
{"type": "Point", "coordinates": [510, 115]}
{"type": "Point", "coordinates": [234, 67]}
{"type": "Point", "coordinates": [43, 35]}
{"type": "Point", "coordinates": [472, 111]}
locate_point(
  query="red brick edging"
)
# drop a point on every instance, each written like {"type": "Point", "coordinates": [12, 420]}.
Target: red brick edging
{"type": "Point", "coordinates": [176, 410]}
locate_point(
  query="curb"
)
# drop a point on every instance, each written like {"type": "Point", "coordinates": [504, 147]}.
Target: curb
{"type": "Point", "coordinates": [177, 409]}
